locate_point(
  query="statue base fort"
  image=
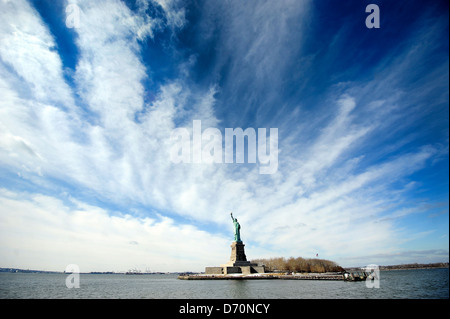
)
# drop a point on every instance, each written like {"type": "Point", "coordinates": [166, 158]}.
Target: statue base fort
{"type": "Point", "coordinates": [238, 263]}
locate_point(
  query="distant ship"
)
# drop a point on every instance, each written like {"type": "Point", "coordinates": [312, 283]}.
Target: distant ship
{"type": "Point", "coordinates": [138, 272]}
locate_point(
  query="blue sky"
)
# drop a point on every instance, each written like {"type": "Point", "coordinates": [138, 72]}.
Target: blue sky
{"type": "Point", "coordinates": [86, 115]}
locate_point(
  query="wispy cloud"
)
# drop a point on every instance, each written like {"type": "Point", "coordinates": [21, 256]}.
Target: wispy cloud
{"type": "Point", "coordinates": [30, 59]}
{"type": "Point", "coordinates": [46, 230]}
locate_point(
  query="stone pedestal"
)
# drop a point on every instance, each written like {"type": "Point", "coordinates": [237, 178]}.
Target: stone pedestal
{"type": "Point", "coordinates": [238, 263]}
{"type": "Point", "coordinates": [238, 253]}
{"type": "Point", "coordinates": [238, 258]}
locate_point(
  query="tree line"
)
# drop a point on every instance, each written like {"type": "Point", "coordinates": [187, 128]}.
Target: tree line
{"type": "Point", "coordinates": [299, 264]}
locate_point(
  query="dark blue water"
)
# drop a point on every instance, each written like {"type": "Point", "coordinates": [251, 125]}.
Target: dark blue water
{"type": "Point", "coordinates": [405, 284]}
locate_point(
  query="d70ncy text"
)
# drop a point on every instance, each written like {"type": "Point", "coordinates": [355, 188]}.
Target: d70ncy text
{"type": "Point", "coordinates": [243, 308]}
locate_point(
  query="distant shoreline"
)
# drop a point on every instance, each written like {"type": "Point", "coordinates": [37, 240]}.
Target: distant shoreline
{"type": "Point", "coordinates": [384, 268]}
{"type": "Point", "coordinates": [34, 271]}
{"type": "Point", "coordinates": [407, 266]}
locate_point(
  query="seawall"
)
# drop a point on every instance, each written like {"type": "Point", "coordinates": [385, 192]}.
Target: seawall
{"type": "Point", "coordinates": [265, 276]}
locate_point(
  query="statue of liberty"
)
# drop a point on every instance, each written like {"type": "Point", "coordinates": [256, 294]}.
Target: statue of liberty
{"type": "Point", "coordinates": [237, 229]}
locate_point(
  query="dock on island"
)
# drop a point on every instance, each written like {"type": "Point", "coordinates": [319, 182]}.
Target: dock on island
{"type": "Point", "coordinates": [264, 276]}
